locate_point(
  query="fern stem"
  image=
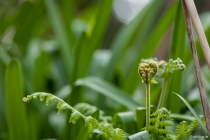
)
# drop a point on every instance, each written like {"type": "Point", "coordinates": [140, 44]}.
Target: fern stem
{"type": "Point", "coordinates": [147, 105]}
{"type": "Point", "coordinates": [163, 94]}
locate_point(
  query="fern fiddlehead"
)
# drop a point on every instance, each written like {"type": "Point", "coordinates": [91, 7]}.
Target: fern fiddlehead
{"type": "Point", "coordinates": [106, 129]}
{"type": "Point", "coordinates": [147, 71]}
{"type": "Point", "coordinates": [165, 70]}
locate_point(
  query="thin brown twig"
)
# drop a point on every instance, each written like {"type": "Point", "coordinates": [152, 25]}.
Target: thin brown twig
{"type": "Point", "coordinates": [197, 66]}
{"type": "Point", "coordinates": [190, 6]}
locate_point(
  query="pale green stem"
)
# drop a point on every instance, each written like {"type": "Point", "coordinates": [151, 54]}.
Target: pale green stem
{"type": "Point", "coordinates": [163, 93]}
{"type": "Point", "coordinates": [147, 106]}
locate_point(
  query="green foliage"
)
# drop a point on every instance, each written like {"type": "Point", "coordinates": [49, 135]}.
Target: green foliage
{"type": "Point", "coordinates": [160, 122]}
{"type": "Point", "coordinates": [107, 130]}
{"type": "Point", "coordinates": [166, 68]}
{"type": "Point", "coordinates": [17, 117]}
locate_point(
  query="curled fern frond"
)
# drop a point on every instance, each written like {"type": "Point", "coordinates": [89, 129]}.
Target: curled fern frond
{"type": "Point", "coordinates": [106, 129]}
{"type": "Point", "coordinates": [166, 68]}
{"type": "Point", "coordinates": [147, 71]}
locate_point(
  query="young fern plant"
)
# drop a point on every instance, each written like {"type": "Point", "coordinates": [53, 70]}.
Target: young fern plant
{"type": "Point", "coordinates": [147, 71]}
{"type": "Point", "coordinates": [106, 129]}
{"type": "Point", "coordinates": [160, 121]}
{"type": "Point", "coordinates": [165, 71]}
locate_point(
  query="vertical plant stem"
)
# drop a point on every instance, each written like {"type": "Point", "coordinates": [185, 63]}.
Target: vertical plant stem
{"type": "Point", "coordinates": [163, 94]}
{"type": "Point", "coordinates": [193, 15]}
{"type": "Point", "coordinates": [197, 66]}
{"type": "Point", "coordinates": [147, 106]}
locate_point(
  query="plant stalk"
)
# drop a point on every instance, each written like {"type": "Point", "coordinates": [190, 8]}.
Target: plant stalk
{"type": "Point", "coordinates": [163, 94]}
{"type": "Point", "coordinates": [147, 106]}
{"type": "Point", "coordinates": [193, 15]}
{"type": "Point", "coordinates": [196, 64]}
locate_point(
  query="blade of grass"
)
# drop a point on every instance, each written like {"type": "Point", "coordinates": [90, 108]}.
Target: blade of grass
{"type": "Point", "coordinates": [85, 54]}
{"type": "Point", "coordinates": [140, 117]}
{"type": "Point", "coordinates": [108, 90]}
{"type": "Point", "coordinates": [181, 117]}
{"type": "Point", "coordinates": [126, 120]}
{"type": "Point", "coordinates": [194, 114]}
{"type": "Point", "coordinates": [58, 26]}
{"type": "Point", "coordinates": [16, 111]}
{"type": "Point", "coordinates": [3, 121]}
{"type": "Point", "coordinates": [28, 13]}
{"type": "Point", "coordinates": [126, 35]}
{"type": "Point", "coordinates": [4, 56]}
{"type": "Point", "coordinates": [177, 50]}
{"type": "Point", "coordinates": [103, 15]}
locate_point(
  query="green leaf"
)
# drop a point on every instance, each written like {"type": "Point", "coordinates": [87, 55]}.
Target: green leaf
{"type": "Point", "coordinates": [16, 111]}
{"type": "Point", "coordinates": [105, 9]}
{"type": "Point", "coordinates": [142, 24]}
{"type": "Point", "coordinates": [4, 56]}
{"type": "Point", "coordinates": [3, 126]}
{"type": "Point", "coordinates": [140, 136]}
{"type": "Point", "coordinates": [108, 90]}
{"type": "Point", "coordinates": [181, 117]}
{"type": "Point", "coordinates": [194, 113]}
{"type": "Point", "coordinates": [153, 81]}
{"type": "Point", "coordinates": [41, 71]}
{"type": "Point", "coordinates": [140, 117]}
{"type": "Point", "coordinates": [59, 28]}
{"type": "Point", "coordinates": [177, 50]}
{"type": "Point", "coordinates": [126, 121]}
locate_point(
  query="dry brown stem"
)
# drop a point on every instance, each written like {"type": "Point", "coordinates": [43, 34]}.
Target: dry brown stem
{"type": "Point", "coordinates": [196, 64]}
{"type": "Point", "coordinates": [190, 5]}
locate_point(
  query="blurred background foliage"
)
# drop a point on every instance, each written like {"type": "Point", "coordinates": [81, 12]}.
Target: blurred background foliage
{"type": "Point", "coordinates": [89, 51]}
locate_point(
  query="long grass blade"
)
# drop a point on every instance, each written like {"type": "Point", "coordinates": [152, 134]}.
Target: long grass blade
{"type": "Point", "coordinates": [108, 90]}
{"type": "Point", "coordinates": [194, 113]}
{"type": "Point", "coordinates": [177, 50]}
{"type": "Point", "coordinates": [16, 111]}
{"type": "Point", "coordinates": [58, 26]}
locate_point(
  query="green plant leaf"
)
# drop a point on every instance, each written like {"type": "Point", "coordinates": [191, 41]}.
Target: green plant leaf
{"type": "Point", "coordinates": [194, 114]}
{"type": "Point", "coordinates": [16, 111]}
{"type": "Point", "coordinates": [126, 121]}
{"type": "Point", "coordinates": [129, 32]}
{"type": "Point", "coordinates": [177, 50]}
{"type": "Point", "coordinates": [4, 56]}
{"type": "Point", "coordinates": [59, 28]}
{"type": "Point", "coordinates": [181, 117]}
{"type": "Point", "coordinates": [3, 121]}
{"type": "Point", "coordinates": [108, 90]}
{"type": "Point", "coordinates": [140, 117]}
{"type": "Point", "coordinates": [140, 136]}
